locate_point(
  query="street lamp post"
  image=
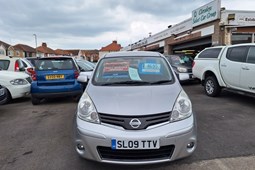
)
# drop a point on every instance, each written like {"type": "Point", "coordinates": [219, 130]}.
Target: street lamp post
{"type": "Point", "coordinates": [35, 44]}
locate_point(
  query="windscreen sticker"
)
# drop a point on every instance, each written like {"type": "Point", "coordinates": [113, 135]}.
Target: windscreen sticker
{"type": "Point", "coordinates": [149, 68]}
{"type": "Point", "coordinates": [116, 70]}
{"type": "Point", "coordinates": [116, 67]}
{"type": "Point", "coordinates": [133, 74]}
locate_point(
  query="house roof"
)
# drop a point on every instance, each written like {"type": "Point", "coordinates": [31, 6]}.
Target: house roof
{"type": "Point", "coordinates": [61, 52]}
{"type": "Point", "coordinates": [4, 44]}
{"type": "Point", "coordinates": [89, 52]}
{"type": "Point", "coordinates": [114, 46]}
{"type": "Point", "coordinates": [24, 48]}
{"type": "Point", "coordinates": [73, 52]}
{"type": "Point", "coordinates": [45, 49]}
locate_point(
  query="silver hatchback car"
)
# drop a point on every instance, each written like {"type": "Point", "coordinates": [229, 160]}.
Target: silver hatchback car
{"type": "Point", "coordinates": [134, 111]}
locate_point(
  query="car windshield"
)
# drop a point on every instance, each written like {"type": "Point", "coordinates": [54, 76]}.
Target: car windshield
{"type": "Point", "coordinates": [84, 66]}
{"type": "Point", "coordinates": [181, 60]}
{"type": "Point", "coordinates": [33, 61]}
{"type": "Point", "coordinates": [90, 63]}
{"type": "Point", "coordinates": [132, 71]}
{"type": "Point", "coordinates": [55, 64]}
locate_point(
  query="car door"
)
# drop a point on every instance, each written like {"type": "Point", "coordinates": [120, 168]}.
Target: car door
{"type": "Point", "coordinates": [231, 64]}
{"type": "Point", "coordinates": [247, 81]}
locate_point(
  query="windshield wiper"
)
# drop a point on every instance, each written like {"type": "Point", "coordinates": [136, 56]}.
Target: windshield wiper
{"type": "Point", "coordinates": [161, 82]}
{"type": "Point", "coordinates": [126, 83]}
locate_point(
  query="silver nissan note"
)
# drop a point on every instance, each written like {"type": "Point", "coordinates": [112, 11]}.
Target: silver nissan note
{"type": "Point", "coordinates": [134, 111]}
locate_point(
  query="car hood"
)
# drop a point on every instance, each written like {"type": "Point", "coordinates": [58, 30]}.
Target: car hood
{"type": "Point", "coordinates": [187, 66]}
{"type": "Point", "coordinates": [134, 100]}
{"type": "Point", "coordinates": [9, 75]}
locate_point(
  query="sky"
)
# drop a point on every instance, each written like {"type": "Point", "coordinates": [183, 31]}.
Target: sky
{"type": "Point", "coordinates": [93, 24]}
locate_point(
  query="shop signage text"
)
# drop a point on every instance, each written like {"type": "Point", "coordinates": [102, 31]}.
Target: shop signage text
{"type": "Point", "coordinates": [206, 13]}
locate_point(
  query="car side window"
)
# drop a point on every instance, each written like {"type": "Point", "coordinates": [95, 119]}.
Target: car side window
{"type": "Point", "coordinates": [237, 54]}
{"type": "Point", "coordinates": [251, 55]}
{"type": "Point", "coordinates": [4, 64]}
{"type": "Point", "coordinates": [24, 63]}
{"type": "Point", "coordinates": [210, 53]}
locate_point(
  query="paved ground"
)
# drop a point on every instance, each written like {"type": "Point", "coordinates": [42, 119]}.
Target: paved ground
{"type": "Point", "coordinates": [40, 137]}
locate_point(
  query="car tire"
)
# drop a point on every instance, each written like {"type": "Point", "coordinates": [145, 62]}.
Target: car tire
{"type": "Point", "coordinates": [35, 100]}
{"type": "Point", "coordinates": [76, 98]}
{"type": "Point", "coordinates": [211, 86]}
{"type": "Point", "coordinates": [8, 96]}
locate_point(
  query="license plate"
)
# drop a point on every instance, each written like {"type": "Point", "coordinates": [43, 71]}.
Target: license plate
{"type": "Point", "coordinates": [135, 144]}
{"type": "Point", "coordinates": [51, 77]}
{"type": "Point", "coordinates": [1, 92]}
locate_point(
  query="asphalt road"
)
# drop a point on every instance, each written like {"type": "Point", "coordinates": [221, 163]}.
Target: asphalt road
{"type": "Point", "coordinates": [40, 137]}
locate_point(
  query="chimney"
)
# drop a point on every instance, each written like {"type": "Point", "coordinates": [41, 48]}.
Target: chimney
{"type": "Point", "coordinates": [114, 41]}
{"type": "Point", "coordinates": [44, 44]}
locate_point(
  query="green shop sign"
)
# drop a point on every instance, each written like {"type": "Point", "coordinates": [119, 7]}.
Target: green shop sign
{"type": "Point", "coordinates": [206, 13]}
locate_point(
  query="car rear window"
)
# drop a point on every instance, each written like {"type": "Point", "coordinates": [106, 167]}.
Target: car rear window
{"type": "Point", "coordinates": [4, 64]}
{"type": "Point", "coordinates": [210, 53]}
{"type": "Point", "coordinates": [55, 64]}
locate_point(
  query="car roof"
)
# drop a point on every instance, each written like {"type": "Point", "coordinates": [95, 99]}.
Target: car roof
{"type": "Point", "coordinates": [133, 53]}
{"type": "Point", "coordinates": [55, 57]}
{"type": "Point", "coordinates": [9, 58]}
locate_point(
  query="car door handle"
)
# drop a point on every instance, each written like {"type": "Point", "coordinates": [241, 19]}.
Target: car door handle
{"type": "Point", "coordinates": [223, 65]}
{"type": "Point", "coordinates": [245, 68]}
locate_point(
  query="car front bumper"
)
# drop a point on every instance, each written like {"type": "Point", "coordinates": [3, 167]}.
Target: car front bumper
{"type": "Point", "coordinates": [18, 91]}
{"type": "Point", "coordinates": [188, 76]}
{"type": "Point", "coordinates": [175, 136]}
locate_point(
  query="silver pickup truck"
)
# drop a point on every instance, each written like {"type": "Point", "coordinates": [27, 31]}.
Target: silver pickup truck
{"type": "Point", "coordinates": [231, 67]}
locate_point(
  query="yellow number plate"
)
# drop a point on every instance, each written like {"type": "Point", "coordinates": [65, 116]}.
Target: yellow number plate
{"type": "Point", "coordinates": [51, 77]}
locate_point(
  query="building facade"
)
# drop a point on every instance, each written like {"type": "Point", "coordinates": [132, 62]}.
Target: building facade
{"type": "Point", "coordinates": [210, 25]}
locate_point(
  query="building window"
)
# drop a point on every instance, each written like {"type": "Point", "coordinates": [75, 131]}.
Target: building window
{"type": "Point", "coordinates": [2, 52]}
{"type": "Point", "coordinates": [239, 38]}
{"type": "Point", "coordinates": [17, 53]}
{"type": "Point", "coordinates": [10, 53]}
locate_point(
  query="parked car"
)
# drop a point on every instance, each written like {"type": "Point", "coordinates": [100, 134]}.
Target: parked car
{"type": "Point", "coordinates": [55, 77]}
{"type": "Point", "coordinates": [182, 64]}
{"type": "Point", "coordinates": [3, 95]}
{"type": "Point", "coordinates": [29, 67]}
{"type": "Point", "coordinates": [33, 60]}
{"type": "Point", "coordinates": [11, 64]}
{"type": "Point", "coordinates": [134, 111]}
{"type": "Point", "coordinates": [93, 65]}
{"type": "Point", "coordinates": [86, 70]}
{"type": "Point", "coordinates": [17, 84]}
{"type": "Point", "coordinates": [231, 67]}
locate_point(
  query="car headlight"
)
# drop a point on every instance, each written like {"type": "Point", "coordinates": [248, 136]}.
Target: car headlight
{"type": "Point", "coordinates": [182, 108]}
{"type": "Point", "coordinates": [18, 82]}
{"type": "Point", "coordinates": [87, 110]}
{"type": "Point", "coordinates": [182, 69]}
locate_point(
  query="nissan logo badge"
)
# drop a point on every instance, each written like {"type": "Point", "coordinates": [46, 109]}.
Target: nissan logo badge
{"type": "Point", "coordinates": [135, 123]}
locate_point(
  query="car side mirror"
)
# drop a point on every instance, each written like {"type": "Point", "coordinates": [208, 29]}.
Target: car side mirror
{"type": "Point", "coordinates": [82, 79]}
{"type": "Point", "coordinates": [183, 77]}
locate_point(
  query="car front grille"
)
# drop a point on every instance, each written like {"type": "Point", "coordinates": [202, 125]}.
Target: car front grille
{"type": "Point", "coordinates": [124, 121]}
{"type": "Point", "coordinates": [164, 152]}
{"type": "Point", "coordinates": [29, 79]}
